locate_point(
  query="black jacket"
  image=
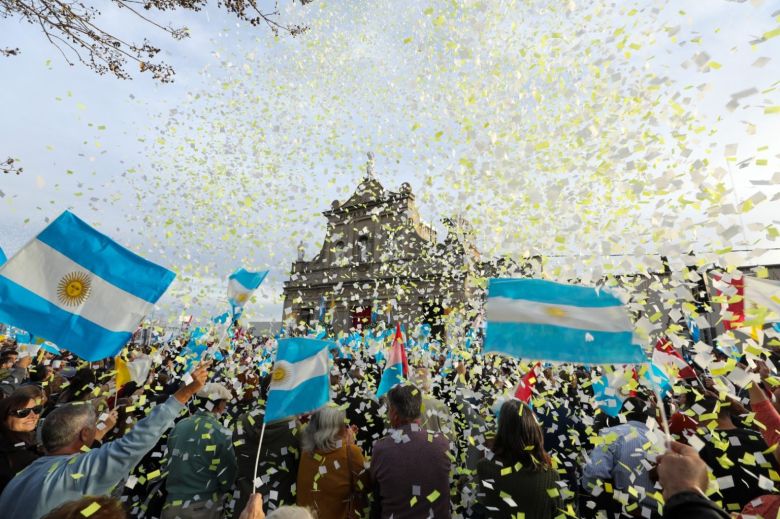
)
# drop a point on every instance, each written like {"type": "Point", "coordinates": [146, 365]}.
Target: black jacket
{"type": "Point", "coordinates": [15, 455]}
{"type": "Point", "coordinates": [690, 505]}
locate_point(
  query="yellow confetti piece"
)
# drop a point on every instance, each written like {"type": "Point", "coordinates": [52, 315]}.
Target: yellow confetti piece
{"type": "Point", "coordinates": [433, 496]}
{"type": "Point", "coordinates": [771, 34]}
{"type": "Point", "coordinates": [91, 509]}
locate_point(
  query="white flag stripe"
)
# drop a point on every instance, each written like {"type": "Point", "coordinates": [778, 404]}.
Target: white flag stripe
{"type": "Point", "coordinates": [600, 319]}
{"type": "Point", "coordinates": [296, 373]}
{"type": "Point", "coordinates": [235, 288]}
{"type": "Point", "coordinates": [40, 268]}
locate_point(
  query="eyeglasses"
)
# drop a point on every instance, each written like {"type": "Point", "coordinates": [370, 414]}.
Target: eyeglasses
{"type": "Point", "coordinates": [24, 413]}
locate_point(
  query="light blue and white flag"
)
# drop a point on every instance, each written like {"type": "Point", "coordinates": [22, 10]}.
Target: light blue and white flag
{"type": "Point", "coordinates": [654, 377]}
{"type": "Point", "coordinates": [607, 395]}
{"type": "Point", "coordinates": [79, 289]}
{"type": "Point", "coordinates": [242, 284]}
{"type": "Point", "coordinates": [535, 319]}
{"type": "Point", "coordinates": [300, 382]}
{"type": "Point", "coordinates": [221, 319]}
{"type": "Point", "coordinates": [51, 348]}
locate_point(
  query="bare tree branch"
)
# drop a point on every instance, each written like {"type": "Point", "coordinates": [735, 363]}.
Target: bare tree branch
{"type": "Point", "coordinates": [8, 166]}
{"type": "Point", "coordinates": [72, 27]}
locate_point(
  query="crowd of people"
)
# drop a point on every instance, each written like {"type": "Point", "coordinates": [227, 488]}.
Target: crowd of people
{"type": "Point", "coordinates": [189, 441]}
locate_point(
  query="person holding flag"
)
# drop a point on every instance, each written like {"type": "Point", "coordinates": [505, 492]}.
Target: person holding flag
{"type": "Point", "coordinates": [299, 383]}
{"type": "Point", "coordinates": [67, 433]}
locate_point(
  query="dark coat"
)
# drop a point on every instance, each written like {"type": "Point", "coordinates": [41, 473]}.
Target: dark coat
{"type": "Point", "coordinates": [279, 457]}
{"type": "Point", "coordinates": [15, 455]}
{"type": "Point", "coordinates": [527, 488]}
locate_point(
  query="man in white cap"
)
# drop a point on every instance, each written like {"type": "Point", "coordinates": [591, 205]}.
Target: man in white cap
{"type": "Point", "coordinates": [202, 465]}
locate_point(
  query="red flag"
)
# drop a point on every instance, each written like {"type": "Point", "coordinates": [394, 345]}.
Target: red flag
{"type": "Point", "coordinates": [398, 341]}
{"type": "Point", "coordinates": [736, 299]}
{"type": "Point", "coordinates": [527, 384]}
{"type": "Point", "coordinates": [635, 377]}
{"type": "Point", "coordinates": [666, 355]}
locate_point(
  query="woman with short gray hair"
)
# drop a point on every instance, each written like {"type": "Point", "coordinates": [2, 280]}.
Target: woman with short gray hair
{"type": "Point", "coordinates": [332, 479]}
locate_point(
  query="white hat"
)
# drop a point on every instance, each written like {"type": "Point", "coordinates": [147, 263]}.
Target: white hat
{"type": "Point", "coordinates": [214, 391]}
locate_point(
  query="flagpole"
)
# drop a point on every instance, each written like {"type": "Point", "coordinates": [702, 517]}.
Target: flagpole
{"type": "Point", "coordinates": [116, 396]}
{"type": "Point", "coordinates": [215, 348]}
{"type": "Point", "coordinates": [257, 458]}
{"type": "Point", "coordinates": [660, 403]}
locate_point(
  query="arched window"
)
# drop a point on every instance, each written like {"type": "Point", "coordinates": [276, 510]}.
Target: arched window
{"type": "Point", "coordinates": [363, 249]}
{"type": "Point", "coordinates": [338, 252]}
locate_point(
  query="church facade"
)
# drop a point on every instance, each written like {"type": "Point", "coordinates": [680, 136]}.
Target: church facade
{"type": "Point", "coordinates": [380, 262]}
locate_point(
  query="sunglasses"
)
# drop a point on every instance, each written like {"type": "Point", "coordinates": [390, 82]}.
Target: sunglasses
{"type": "Point", "coordinates": [24, 413]}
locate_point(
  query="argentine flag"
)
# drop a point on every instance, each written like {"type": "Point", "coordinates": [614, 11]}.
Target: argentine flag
{"type": "Point", "coordinates": [79, 289]}
{"type": "Point", "coordinates": [535, 319]}
{"type": "Point", "coordinates": [242, 284]}
{"type": "Point", "coordinates": [300, 382]}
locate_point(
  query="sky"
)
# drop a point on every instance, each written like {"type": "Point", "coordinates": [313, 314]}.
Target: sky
{"type": "Point", "coordinates": [575, 130]}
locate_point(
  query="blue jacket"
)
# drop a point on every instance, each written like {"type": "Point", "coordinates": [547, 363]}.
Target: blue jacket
{"type": "Point", "coordinates": [51, 481]}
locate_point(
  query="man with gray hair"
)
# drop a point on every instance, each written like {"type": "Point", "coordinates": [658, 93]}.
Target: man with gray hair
{"type": "Point", "coordinates": [435, 415]}
{"type": "Point", "coordinates": [410, 467]}
{"type": "Point", "coordinates": [68, 473]}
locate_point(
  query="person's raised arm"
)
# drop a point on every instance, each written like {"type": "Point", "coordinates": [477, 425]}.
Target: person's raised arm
{"type": "Point", "coordinates": [113, 461]}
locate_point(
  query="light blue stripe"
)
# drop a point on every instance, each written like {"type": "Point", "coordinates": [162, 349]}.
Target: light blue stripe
{"type": "Point", "coordinates": [107, 259]}
{"type": "Point", "coordinates": [24, 309]}
{"type": "Point", "coordinates": [298, 348]}
{"type": "Point", "coordinates": [611, 405]}
{"type": "Point", "coordinates": [308, 396]}
{"type": "Point", "coordinates": [3, 257]}
{"type": "Point", "coordinates": [391, 376]}
{"type": "Point", "coordinates": [249, 280]}
{"type": "Point", "coordinates": [543, 291]}
{"type": "Point", "coordinates": [557, 343]}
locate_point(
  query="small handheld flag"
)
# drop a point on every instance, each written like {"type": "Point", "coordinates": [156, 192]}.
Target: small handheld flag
{"type": "Point", "coordinates": [607, 393]}
{"type": "Point", "coordinates": [731, 289]}
{"type": "Point", "coordinates": [241, 285]}
{"type": "Point", "coordinates": [300, 382]}
{"type": "Point", "coordinates": [666, 357]}
{"type": "Point", "coordinates": [122, 372]}
{"type": "Point", "coordinates": [78, 288]}
{"type": "Point", "coordinates": [542, 320]}
{"type": "Point", "coordinates": [136, 370]}
{"type": "Point", "coordinates": [396, 367]}
{"type": "Point", "coordinates": [525, 388]}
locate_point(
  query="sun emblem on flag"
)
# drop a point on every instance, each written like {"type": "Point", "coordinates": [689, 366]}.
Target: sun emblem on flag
{"type": "Point", "coordinates": [279, 374]}
{"type": "Point", "coordinates": [73, 289]}
{"type": "Point", "coordinates": [242, 298]}
{"type": "Point", "coordinates": [556, 311]}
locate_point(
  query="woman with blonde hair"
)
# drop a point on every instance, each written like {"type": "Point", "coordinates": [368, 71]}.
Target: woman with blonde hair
{"type": "Point", "coordinates": [332, 480]}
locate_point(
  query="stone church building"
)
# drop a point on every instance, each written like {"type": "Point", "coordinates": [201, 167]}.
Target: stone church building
{"type": "Point", "coordinates": [381, 263]}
